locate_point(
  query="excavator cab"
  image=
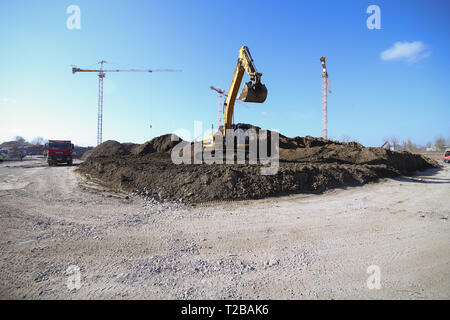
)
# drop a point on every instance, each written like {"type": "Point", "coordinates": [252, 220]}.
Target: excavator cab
{"type": "Point", "coordinates": [253, 92]}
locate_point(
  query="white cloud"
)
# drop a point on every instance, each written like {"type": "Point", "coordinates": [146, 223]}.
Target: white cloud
{"type": "Point", "coordinates": [410, 52]}
{"type": "Point", "coordinates": [9, 100]}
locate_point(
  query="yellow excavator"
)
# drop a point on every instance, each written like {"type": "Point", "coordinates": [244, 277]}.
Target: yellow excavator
{"type": "Point", "coordinates": [253, 91]}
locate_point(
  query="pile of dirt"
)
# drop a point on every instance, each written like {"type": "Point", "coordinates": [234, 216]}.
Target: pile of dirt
{"type": "Point", "coordinates": [109, 149]}
{"type": "Point", "coordinates": [163, 143]}
{"type": "Point", "coordinates": [307, 164]}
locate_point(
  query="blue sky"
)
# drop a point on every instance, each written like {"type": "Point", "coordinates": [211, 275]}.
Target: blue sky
{"type": "Point", "coordinates": [403, 92]}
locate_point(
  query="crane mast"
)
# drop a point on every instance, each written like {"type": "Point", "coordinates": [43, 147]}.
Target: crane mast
{"type": "Point", "coordinates": [101, 76]}
{"type": "Point", "coordinates": [220, 94]}
{"type": "Point", "coordinates": [325, 89]}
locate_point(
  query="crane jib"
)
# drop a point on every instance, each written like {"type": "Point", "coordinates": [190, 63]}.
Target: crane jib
{"type": "Point", "coordinates": [74, 70]}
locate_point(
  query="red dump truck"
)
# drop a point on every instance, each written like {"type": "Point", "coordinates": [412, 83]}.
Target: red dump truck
{"type": "Point", "coordinates": [59, 151]}
{"type": "Point", "coordinates": [446, 156]}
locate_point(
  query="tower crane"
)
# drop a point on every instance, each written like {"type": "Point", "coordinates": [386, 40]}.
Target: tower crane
{"type": "Point", "coordinates": [101, 76]}
{"type": "Point", "coordinates": [220, 94]}
{"type": "Point", "coordinates": [325, 87]}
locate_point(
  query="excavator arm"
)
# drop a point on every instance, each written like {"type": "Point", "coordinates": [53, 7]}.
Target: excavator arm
{"type": "Point", "coordinates": [253, 91]}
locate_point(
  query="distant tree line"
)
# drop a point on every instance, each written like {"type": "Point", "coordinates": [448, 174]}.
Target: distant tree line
{"type": "Point", "coordinates": [35, 141]}
{"type": "Point", "coordinates": [394, 143]}
{"type": "Point", "coordinates": [440, 144]}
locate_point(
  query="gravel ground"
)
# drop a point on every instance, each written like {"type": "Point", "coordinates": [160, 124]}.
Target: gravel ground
{"type": "Point", "coordinates": [293, 247]}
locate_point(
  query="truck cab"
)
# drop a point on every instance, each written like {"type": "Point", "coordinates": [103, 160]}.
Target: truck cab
{"type": "Point", "coordinates": [446, 156]}
{"type": "Point", "coordinates": [59, 151]}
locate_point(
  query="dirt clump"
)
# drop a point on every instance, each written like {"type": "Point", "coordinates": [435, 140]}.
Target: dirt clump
{"type": "Point", "coordinates": [109, 149]}
{"type": "Point", "coordinates": [307, 164]}
{"type": "Point", "coordinates": [163, 143]}
{"type": "Point", "coordinates": [86, 154]}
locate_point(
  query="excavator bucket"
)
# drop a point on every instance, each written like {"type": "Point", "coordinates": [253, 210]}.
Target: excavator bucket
{"type": "Point", "coordinates": [253, 93]}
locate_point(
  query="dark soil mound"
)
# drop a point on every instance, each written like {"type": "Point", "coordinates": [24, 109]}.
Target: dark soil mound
{"type": "Point", "coordinates": [87, 154]}
{"type": "Point", "coordinates": [112, 148]}
{"type": "Point", "coordinates": [162, 143]}
{"type": "Point", "coordinates": [109, 149]}
{"type": "Point", "coordinates": [307, 164]}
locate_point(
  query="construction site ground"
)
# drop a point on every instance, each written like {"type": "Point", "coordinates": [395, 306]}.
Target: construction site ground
{"type": "Point", "coordinates": [303, 246]}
